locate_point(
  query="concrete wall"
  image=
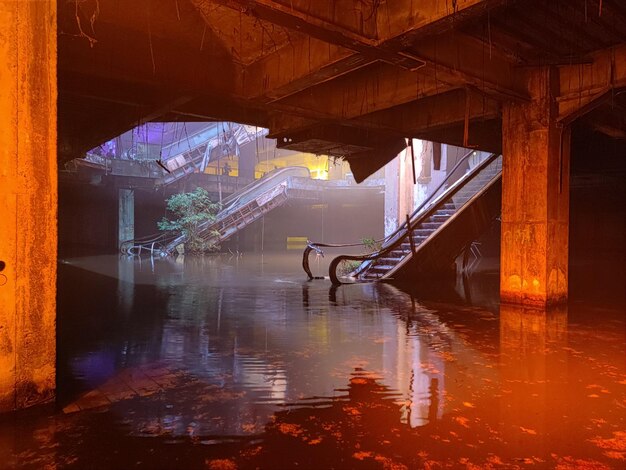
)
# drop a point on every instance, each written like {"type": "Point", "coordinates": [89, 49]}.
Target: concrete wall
{"type": "Point", "coordinates": [28, 201]}
{"type": "Point", "coordinates": [338, 219]}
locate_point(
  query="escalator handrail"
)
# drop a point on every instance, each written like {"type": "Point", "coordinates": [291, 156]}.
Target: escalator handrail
{"type": "Point", "coordinates": [227, 202]}
{"type": "Point", "coordinates": [403, 225]}
{"type": "Point", "coordinates": [232, 205]}
{"type": "Point", "coordinates": [314, 246]}
{"type": "Point", "coordinates": [460, 183]}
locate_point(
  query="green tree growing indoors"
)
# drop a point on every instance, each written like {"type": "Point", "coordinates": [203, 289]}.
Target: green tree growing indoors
{"type": "Point", "coordinates": [190, 211]}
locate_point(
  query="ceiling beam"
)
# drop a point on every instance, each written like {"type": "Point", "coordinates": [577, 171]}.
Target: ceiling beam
{"type": "Point", "coordinates": [584, 86]}
{"type": "Point", "coordinates": [314, 27]}
{"type": "Point", "coordinates": [284, 72]}
{"type": "Point", "coordinates": [430, 115]}
{"type": "Point", "coordinates": [215, 108]}
{"type": "Point", "coordinates": [380, 86]}
{"type": "Point", "coordinates": [402, 22]}
{"type": "Point", "coordinates": [374, 88]}
{"type": "Point", "coordinates": [433, 113]}
{"type": "Point", "coordinates": [459, 59]}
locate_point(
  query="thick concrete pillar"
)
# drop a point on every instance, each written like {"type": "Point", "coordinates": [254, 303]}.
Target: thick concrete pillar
{"type": "Point", "coordinates": [28, 202]}
{"type": "Point", "coordinates": [398, 190]}
{"type": "Point", "coordinates": [392, 195]}
{"type": "Point", "coordinates": [126, 216]}
{"type": "Point", "coordinates": [247, 161]}
{"type": "Point", "coordinates": [535, 197]}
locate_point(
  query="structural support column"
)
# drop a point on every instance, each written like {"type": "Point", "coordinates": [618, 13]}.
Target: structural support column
{"type": "Point", "coordinates": [126, 216]}
{"type": "Point", "coordinates": [28, 202]}
{"type": "Point", "coordinates": [535, 197]}
{"type": "Point", "coordinates": [398, 190]}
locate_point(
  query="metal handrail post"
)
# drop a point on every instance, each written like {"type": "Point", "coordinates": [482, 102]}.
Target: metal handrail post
{"type": "Point", "coordinates": [409, 231]}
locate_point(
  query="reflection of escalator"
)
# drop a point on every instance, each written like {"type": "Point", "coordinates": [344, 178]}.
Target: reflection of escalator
{"type": "Point", "coordinates": [454, 215]}
{"type": "Point", "coordinates": [238, 211]}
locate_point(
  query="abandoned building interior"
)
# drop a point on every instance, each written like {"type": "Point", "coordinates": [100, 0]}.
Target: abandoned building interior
{"type": "Point", "coordinates": [472, 147]}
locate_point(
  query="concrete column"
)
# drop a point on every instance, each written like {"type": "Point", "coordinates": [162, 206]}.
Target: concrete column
{"type": "Point", "coordinates": [126, 217]}
{"type": "Point", "coordinates": [398, 190]}
{"type": "Point", "coordinates": [392, 195]}
{"type": "Point", "coordinates": [535, 197]}
{"type": "Point", "coordinates": [247, 161]}
{"type": "Point", "coordinates": [28, 202]}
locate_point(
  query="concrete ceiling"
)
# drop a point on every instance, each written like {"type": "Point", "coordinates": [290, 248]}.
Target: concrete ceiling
{"type": "Point", "coordinates": [349, 77]}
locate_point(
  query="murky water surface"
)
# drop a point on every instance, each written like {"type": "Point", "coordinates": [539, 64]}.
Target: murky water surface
{"type": "Point", "coordinates": [226, 363]}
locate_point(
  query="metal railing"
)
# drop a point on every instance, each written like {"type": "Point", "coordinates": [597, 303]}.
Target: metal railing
{"type": "Point", "coordinates": [444, 192]}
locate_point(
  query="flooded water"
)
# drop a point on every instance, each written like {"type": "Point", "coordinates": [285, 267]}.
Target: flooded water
{"type": "Point", "coordinates": [239, 362]}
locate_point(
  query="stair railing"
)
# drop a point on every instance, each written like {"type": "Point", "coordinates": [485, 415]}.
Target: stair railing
{"type": "Point", "coordinates": [409, 232]}
{"type": "Point", "coordinates": [314, 246]}
{"type": "Point", "coordinates": [424, 210]}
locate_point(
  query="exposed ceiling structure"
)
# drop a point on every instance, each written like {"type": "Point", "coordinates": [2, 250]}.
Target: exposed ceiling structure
{"type": "Point", "coordinates": [349, 78]}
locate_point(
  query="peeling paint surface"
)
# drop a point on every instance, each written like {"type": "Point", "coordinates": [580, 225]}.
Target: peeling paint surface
{"type": "Point", "coordinates": [28, 212]}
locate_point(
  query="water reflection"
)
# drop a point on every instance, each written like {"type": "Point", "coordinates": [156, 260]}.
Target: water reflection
{"type": "Point", "coordinates": [267, 370]}
{"type": "Point", "coordinates": [240, 325]}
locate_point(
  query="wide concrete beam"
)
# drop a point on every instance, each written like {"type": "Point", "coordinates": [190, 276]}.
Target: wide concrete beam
{"type": "Point", "coordinates": [284, 73]}
{"type": "Point", "coordinates": [460, 63]}
{"type": "Point", "coordinates": [458, 59]}
{"type": "Point", "coordinates": [400, 24]}
{"type": "Point", "coordinates": [439, 118]}
{"type": "Point", "coordinates": [535, 197]}
{"type": "Point", "coordinates": [331, 32]}
{"type": "Point", "coordinates": [584, 86]}
{"type": "Point", "coordinates": [432, 113]}
{"type": "Point", "coordinates": [374, 88]}
{"type": "Point", "coordinates": [28, 202]}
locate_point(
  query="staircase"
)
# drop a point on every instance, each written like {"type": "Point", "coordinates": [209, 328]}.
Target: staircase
{"type": "Point", "coordinates": [239, 210]}
{"type": "Point", "coordinates": [439, 228]}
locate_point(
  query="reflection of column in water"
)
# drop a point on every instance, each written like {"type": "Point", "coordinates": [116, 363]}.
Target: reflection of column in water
{"type": "Point", "coordinates": [403, 370]}
{"type": "Point", "coordinates": [533, 366]}
{"type": "Point", "coordinates": [125, 283]}
{"type": "Point", "coordinates": [419, 391]}
{"type": "Point", "coordinates": [305, 297]}
{"type": "Point", "coordinates": [219, 308]}
{"type": "Point", "coordinates": [433, 391]}
{"type": "Point", "coordinates": [318, 259]}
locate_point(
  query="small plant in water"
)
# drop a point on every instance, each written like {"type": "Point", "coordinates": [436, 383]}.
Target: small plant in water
{"type": "Point", "coordinates": [347, 266]}
{"type": "Point", "coordinates": [190, 210]}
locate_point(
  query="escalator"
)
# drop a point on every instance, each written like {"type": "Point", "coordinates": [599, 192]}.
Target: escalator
{"type": "Point", "coordinates": [190, 153]}
{"type": "Point", "coordinates": [238, 210]}
{"type": "Point", "coordinates": [194, 153]}
{"type": "Point", "coordinates": [457, 212]}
